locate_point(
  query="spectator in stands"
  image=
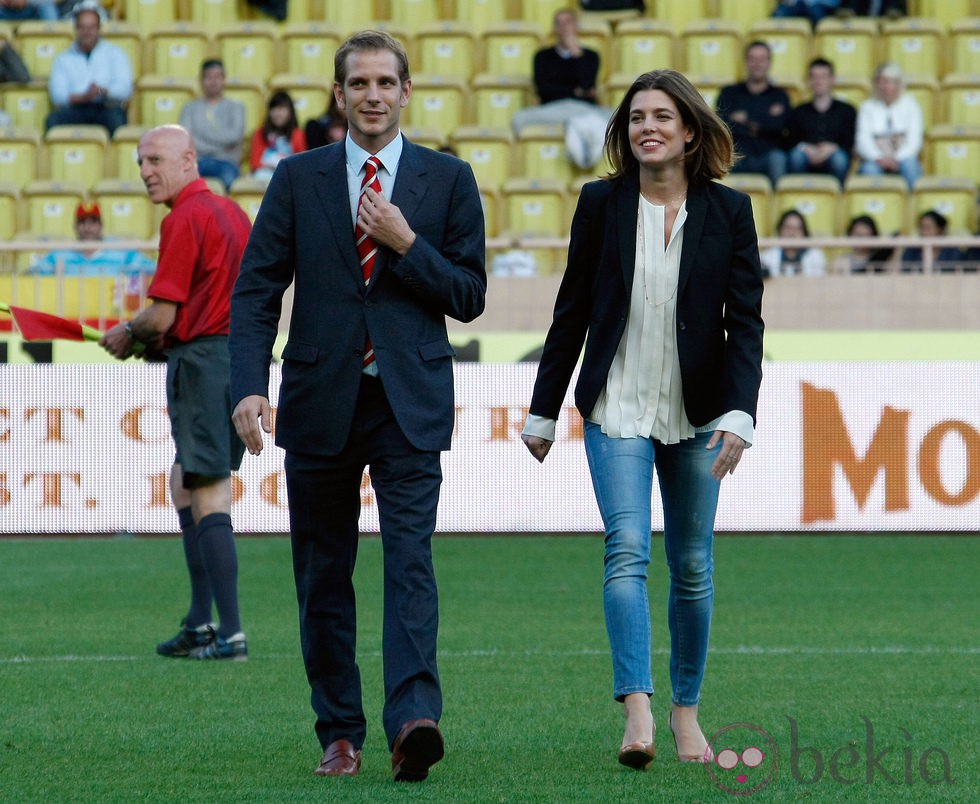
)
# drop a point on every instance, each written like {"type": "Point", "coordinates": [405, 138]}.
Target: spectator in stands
{"type": "Point", "coordinates": [92, 81]}
{"type": "Point", "coordinates": [756, 111]}
{"type": "Point", "coordinates": [821, 131]}
{"type": "Point", "coordinates": [813, 10]}
{"type": "Point", "coordinates": [217, 125]}
{"type": "Point", "coordinates": [864, 259]}
{"type": "Point", "coordinates": [277, 137]}
{"type": "Point", "coordinates": [18, 10]}
{"type": "Point", "coordinates": [889, 128]}
{"type": "Point", "coordinates": [946, 259]}
{"type": "Point", "coordinates": [565, 80]}
{"type": "Point", "coordinates": [12, 67]}
{"type": "Point", "coordinates": [792, 261]}
{"type": "Point", "coordinates": [873, 8]}
{"type": "Point", "coordinates": [331, 126]}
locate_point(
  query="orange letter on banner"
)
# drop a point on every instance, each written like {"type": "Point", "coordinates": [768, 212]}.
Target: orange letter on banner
{"type": "Point", "coordinates": [502, 426]}
{"type": "Point", "coordinates": [270, 489]}
{"type": "Point", "coordinates": [55, 419]}
{"type": "Point", "coordinates": [158, 490]}
{"type": "Point", "coordinates": [51, 485]}
{"type": "Point", "coordinates": [826, 444]}
{"type": "Point", "coordinates": [237, 489]}
{"type": "Point", "coordinates": [5, 433]}
{"type": "Point", "coordinates": [4, 491]}
{"type": "Point", "coordinates": [131, 424]}
{"type": "Point", "coordinates": [929, 472]}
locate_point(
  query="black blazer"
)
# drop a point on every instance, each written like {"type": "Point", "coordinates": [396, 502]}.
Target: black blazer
{"type": "Point", "coordinates": [719, 301]}
{"type": "Point", "coordinates": [304, 234]}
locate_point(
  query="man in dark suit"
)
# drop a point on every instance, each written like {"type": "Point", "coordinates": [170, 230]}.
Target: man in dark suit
{"type": "Point", "coordinates": [367, 380]}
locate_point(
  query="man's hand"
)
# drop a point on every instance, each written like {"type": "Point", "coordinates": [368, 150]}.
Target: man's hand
{"type": "Point", "coordinates": [538, 447]}
{"type": "Point", "coordinates": [117, 342]}
{"type": "Point", "coordinates": [248, 415]}
{"type": "Point", "coordinates": [384, 222]}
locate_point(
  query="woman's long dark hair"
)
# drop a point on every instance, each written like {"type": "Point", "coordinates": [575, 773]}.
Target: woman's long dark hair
{"type": "Point", "coordinates": [280, 98]}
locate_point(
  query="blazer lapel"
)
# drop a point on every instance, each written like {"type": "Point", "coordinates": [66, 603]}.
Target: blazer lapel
{"type": "Point", "coordinates": [697, 209]}
{"type": "Point", "coordinates": [625, 214]}
{"type": "Point", "coordinates": [331, 191]}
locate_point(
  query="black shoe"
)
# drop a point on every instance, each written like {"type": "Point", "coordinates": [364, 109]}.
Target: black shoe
{"type": "Point", "coordinates": [189, 639]}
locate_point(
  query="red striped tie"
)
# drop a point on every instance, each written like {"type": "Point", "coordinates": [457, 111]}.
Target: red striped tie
{"type": "Point", "coordinates": [366, 247]}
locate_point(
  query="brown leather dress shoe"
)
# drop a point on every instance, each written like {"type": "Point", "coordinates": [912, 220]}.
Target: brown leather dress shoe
{"type": "Point", "coordinates": [417, 748]}
{"type": "Point", "coordinates": [340, 759]}
{"type": "Point", "coordinates": [637, 755]}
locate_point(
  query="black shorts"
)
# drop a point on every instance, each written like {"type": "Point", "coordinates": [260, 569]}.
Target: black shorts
{"type": "Point", "coordinates": [199, 405]}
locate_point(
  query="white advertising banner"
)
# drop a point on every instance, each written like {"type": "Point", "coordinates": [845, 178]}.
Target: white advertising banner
{"type": "Point", "coordinates": [839, 447]}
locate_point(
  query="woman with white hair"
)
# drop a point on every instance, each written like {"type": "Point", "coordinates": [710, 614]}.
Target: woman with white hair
{"type": "Point", "coordinates": [889, 128]}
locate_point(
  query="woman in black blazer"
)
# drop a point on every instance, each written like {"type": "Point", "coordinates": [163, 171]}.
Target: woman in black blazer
{"type": "Point", "coordinates": [663, 287]}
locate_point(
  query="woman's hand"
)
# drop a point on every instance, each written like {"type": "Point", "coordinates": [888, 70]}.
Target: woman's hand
{"type": "Point", "coordinates": [732, 447]}
{"type": "Point", "coordinates": [538, 447]}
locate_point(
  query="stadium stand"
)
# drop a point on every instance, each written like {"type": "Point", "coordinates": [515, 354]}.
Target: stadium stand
{"type": "Point", "coordinates": [51, 207]}
{"type": "Point", "coordinates": [759, 190]}
{"type": "Point", "coordinates": [177, 50]}
{"type": "Point", "coordinates": [75, 154]}
{"type": "Point", "coordinates": [816, 197]}
{"type": "Point", "coordinates": [489, 152]}
{"type": "Point", "coordinates": [541, 153]}
{"type": "Point", "coordinates": [127, 211]}
{"type": "Point", "coordinates": [884, 198]}
{"type": "Point", "coordinates": [789, 41]}
{"type": "Point", "coordinates": [712, 49]}
{"type": "Point", "coordinates": [39, 42]}
{"type": "Point", "coordinates": [638, 43]}
{"type": "Point", "coordinates": [121, 153]}
{"type": "Point", "coordinates": [497, 97]}
{"type": "Point", "coordinates": [18, 156]}
{"type": "Point", "coordinates": [956, 198]}
{"type": "Point", "coordinates": [446, 48]}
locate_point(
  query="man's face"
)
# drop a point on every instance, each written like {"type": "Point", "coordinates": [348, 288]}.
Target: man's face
{"type": "Point", "coordinates": [821, 81]}
{"type": "Point", "coordinates": [757, 63]}
{"type": "Point", "coordinates": [89, 228]}
{"type": "Point", "coordinates": [87, 30]}
{"type": "Point", "coordinates": [372, 97]}
{"type": "Point", "coordinates": [213, 82]}
{"type": "Point", "coordinates": [565, 25]}
{"type": "Point", "coordinates": [166, 162]}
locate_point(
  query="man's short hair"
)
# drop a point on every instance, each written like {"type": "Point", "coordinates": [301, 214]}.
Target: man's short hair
{"type": "Point", "coordinates": [757, 43]}
{"type": "Point", "coordinates": [821, 62]}
{"type": "Point", "coordinates": [89, 5]}
{"type": "Point", "coordinates": [207, 64]}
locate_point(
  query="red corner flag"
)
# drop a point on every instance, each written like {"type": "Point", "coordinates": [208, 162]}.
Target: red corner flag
{"type": "Point", "coordinates": [38, 326]}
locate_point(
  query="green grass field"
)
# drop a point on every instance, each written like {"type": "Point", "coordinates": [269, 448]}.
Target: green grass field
{"type": "Point", "coordinates": [870, 645]}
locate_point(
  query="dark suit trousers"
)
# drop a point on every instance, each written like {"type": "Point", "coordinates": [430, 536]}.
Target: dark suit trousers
{"type": "Point", "coordinates": [324, 506]}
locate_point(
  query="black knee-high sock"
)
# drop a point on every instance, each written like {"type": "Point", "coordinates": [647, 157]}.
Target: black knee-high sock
{"type": "Point", "coordinates": [217, 542]}
{"type": "Point", "coordinates": [200, 610]}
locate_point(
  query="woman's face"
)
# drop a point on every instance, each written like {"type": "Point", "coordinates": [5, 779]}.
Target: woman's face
{"type": "Point", "coordinates": [657, 133]}
{"type": "Point", "coordinates": [929, 228]}
{"type": "Point", "coordinates": [861, 229]}
{"type": "Point", "coordinates": [279, 116]}
{"type": "Point", "coordinates": [792, 226]}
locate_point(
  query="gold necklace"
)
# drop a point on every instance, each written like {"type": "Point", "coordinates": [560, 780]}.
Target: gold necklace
{"type": "Point", "coordinates": [679, 197]}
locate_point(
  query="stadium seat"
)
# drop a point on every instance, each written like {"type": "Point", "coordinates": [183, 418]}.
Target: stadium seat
{"type": "Point", "coordinates": [18, 156]}
{"type": "Point", "coordinates": [541, 154]}
{"type": "Point", "coordinates": [853, 90]}
{"type": "Point", "coordinates": [884, 198]}
{"type": "Point", "coordinates": [916, 44]}
{"type": "Point", "coordinates": [849, 44]}
{"type": "Point", "coordinates": [961, 99]}
{"type": "Point", "coordinates": [413, 14]}
{"type": "Point", "coordinates": [127, 211]}
{"type": "Point", "coordinates": [535, 207]}
{"type": "Point", "coordinates": [497, 97]}
{"type": "Point", "coordinates": [438, 102]}
{"type": "Point", "coordinates": [214, 14]}
{"type": "Point", "coordinates": [250, 92]}
{"type": "Point", "coordinates": [954, 151]}
{"type": "Point", "coordinates": [712, 48]}
{"type": "Point", "coordinates": [679, 13]}
{"type": "Point", "coordinates": [160, 99]}
{"type": "Point", "coordinates": [9, 216]}
{"type": "Point", "coordinates": [27, 104]}
{"type": "Point", "coordinates": [789, 40]}
{"type": "Point", "coordinates": [744, 12]}
{"type": "Point", "coordinates": [311, 95]}
{"type": "Point", "coordinates": [759, 189]}
{"type": "Point", "coordinates": [248, 49]}
{"type": "Point", "coordinates": [964, 46]}
{"type": "Point", "coordinates": [956, 198]}
{"type": "Point", "coordinates": [51, 207]}
{"type": "Point", "coordinates": [948, 12]}
{"type": "Point", "coordinates": [540, 13]}
{"type": "Point", "coordinates": [641, 45]}
{"type": "Point", "coordinates": [509, 48]}
{"type": "Point", "coordinates": [127, 36]}
{"type": "Point", "coordinates": [925, 90]}
{"type": "Point", "coordinates": [177, 50]}
{"type": "Point", "coordinates": [310, 47]}
{"type": "Point", "coordinates": [490, 198]}
{"type": "Point", "coordinates": [489, 152]}
{"type": "Point", "coordinates": [814, 196]}
{"type": "Point", "coordinates": [446, 48]}
{"type": "Point", "coordinates": [482, 14]}
{"type": "Point", "coordinates": [596, 34]}
{"type": "Point", "coordinates": [39, 42]}
{"type": "Point", "coordinates": [247, 193]}
{"type": "Point", "coordinates": [121, 156]}
{"type": "Point", "coordinates": [710, 87]}
{"type": "Point", "coordinates": [349, 16]}
{"type": "Point", "coordinates": [75, 154]}
{"type": "Point", "coordinates": [429, 137]}
{"type": "Point", "coordinates": [147, 15]}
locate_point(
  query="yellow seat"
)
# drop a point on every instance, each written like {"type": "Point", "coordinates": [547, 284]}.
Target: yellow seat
{"type": "Point", "coordinates": [82, 298]}
{"type": "Point", "coordinates": [18, 156]}
{"type": "Point", "coordinates": [310, 48]}
{"type": "Point", "coordinates": [27, 104]}
{"type": "Point", "coordinates": [127, 211]}
{"type": "Point", "coordinates": [535, 207]}
{"type": "Point", "coordinates": [710, 87]}
{"type": "Point", "coordinates": [349, 16]}
{"type": "Point", "coordinates": [641, 45]}
{"type": "Point", "coordinates": [76, 153]}
{"type": "Point", "coordinates": [128, 38]}
{"type": "Point", "coordinates": [497, 97]}
{"type": "Point", "coordinates": [248, 194]}
{"type": "Point", "coordinates": [39, 42]}
{"type": "Point", "coordinates": [250, 92]}
{"type": "Point", "coordinates": [177, 50]}
{"type": "Point", "coordinates": [964, 45]}
{"type": "Point", "coordinates": [540, 13]}
{"type": "Point", "coordinates": [490, 199]}
{"type": "Point", "coordinates": [213, 14]}
{"type": "Point", "coordinates": [148, 15]}
{"type": "Point", "coordinates": [955, 198]}
{"type": "Point", "coordinates": [446, 48]}
{"type": "Point", "coordinates": [948, 12]}
{"type": "Point", "coordinates": [429, 137]}
{"type": "Point", "coordinates": [596, 34]}
{"type": "Point", "coordinates": [51, 207]}
{"type": "Point", "coordinates": [413, 14]}
{"type": "Point", "coordinates": [849, 44]}
{"type": "Point", "coordinates": [961, 99]}
{"type": "Point", "coordinates": [438, 102]}
{"type": "Point", "coordinates": [679, 13]}
{"type": "Point", "coordinates": [884, 198]}
{"type": "Point", "coordinates": [816, 197]}
{"type": "Point", "coordinates": [509, 48]}
{"type": "Point", "coordinates": [121, 154]}
{"type": "Point", "coordinates": [954, 151]}
{"type": "Point", "coordinates": [852, 90]}
{"type": "Point", "coordinates": [916, 44]}
{"type": "Point", "coordinates": [482, 14]}
{"type": "Point", "coordinates": [311, 95]}
{"type": "Point", "coordinates": [541, 153]}
{"type": "Point", "coordinates": [759, 189]}
{"type": "Point", "coordinates": [488, 151]}
{"type": "Point", "coordinates": [712, 48]}
{"type": "Point", "coordinates": [248, 49]}
{"type": "Point", "coordinates": [9, 218]}
{"type": "Point", "coordinates": [925, 90]}
{"type": "Point", "coordinates": [744, 12]}
{"type": "Point", "coordinates": [162, 97]}
{"type": "Point", "coordinates": [789, 41]}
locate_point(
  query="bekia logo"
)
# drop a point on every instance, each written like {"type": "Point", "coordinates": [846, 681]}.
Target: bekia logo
{"type": "Point", "coordinates": [746, 759]}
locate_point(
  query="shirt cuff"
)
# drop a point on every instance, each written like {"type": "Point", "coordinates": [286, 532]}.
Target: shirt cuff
{"type": "Point", "coordinates": [539, 427]}
{"type": "Point", "coordinates": [738, 422]}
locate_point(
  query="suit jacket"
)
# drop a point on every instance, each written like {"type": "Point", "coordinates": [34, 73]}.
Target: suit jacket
{"type": "Point", "coordinates": [303, 234]}
{"type": "Point", "coordinates": [719, 301]}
